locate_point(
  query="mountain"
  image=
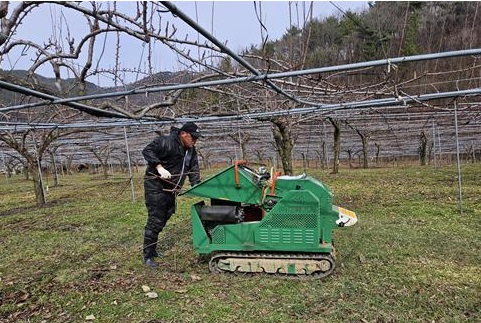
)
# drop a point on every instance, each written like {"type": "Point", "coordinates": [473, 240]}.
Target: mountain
{"type": "Point", "coordinates": [70, 87]}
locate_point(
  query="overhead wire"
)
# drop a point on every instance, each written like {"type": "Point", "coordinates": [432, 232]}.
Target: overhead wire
{"type": "Point", "coordinates": [403, 100]}
{"type": "Point", "coordinates": [144, 90]}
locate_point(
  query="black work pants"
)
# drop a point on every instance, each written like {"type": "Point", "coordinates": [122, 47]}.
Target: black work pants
{"type": "Point", "coordinates": [160, 207]}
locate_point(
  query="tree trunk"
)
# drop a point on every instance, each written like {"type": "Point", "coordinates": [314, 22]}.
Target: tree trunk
{"type": "Point", "coordinates": [337, 145]}
{"type": "Point", "coordinates": [324, 155]}
{"type": "Point", "coordinates": [105, 170]}
{"type": "Point", "coordinates": [378, 152]}
{"type": "Point", "coordinates": [37, 184]}
{"type": "Point", "coordinates": [349, 155]}
{"type": "Point", "coordinates": [283, 141]}
{"type": "Point", "coordinates": [365, 161]}
{"type": "Point", "coordinates": [305, 161]}
{"type": "Point", "coordinates": [55, 170]}
{"type": "Point", "coordinates": [423, 142]}
{"type": "Point", "coordinates": [364, 142]}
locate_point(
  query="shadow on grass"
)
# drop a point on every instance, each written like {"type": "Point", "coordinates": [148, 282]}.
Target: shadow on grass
{"type": "Point", "coordinates": [27, 208]}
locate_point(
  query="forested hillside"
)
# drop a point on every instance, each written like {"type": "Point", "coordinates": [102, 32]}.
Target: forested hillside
{"type": "Point", "coordinates": [388, 29]}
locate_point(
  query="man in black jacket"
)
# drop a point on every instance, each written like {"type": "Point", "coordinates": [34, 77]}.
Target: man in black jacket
{"type": "Point", "coordinates": [169, 160]}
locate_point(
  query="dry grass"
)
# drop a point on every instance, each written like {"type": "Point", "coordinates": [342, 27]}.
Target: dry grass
{"type": "Point", "coordinates": [411, 258]}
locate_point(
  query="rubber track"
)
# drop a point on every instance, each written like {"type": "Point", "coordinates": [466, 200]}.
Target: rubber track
{"type": "Point", "coordinates": [295, 256]}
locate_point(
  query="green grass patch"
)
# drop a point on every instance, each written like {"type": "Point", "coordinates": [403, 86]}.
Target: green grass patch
{"type": "Point", "coordinates": [411, 258]}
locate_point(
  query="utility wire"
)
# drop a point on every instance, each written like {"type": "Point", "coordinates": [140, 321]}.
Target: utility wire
{"type": "Point", "coordinates": [96, 111]}
{"type": "Point", "coordinates": [401, 100]}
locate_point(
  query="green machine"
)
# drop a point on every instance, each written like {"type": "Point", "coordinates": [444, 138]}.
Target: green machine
{"type": "Point", "coordinates": [258, 222]}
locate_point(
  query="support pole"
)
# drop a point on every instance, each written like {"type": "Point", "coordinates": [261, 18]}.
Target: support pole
{"type": "Point", "coordinates": [460, 193]}
{"type": "Point", "coordinates": [130, 168]}
{"type": "Point", "coordinates": [434, 146]}
{"type": "Point", "coordinates": [440, 153]}
{"type": "Point", "coordinates": [54, 163]}
{"type": "Point", "coordinates": [40, 176]}
{"type": "Point", "coordinates": [4, 165]}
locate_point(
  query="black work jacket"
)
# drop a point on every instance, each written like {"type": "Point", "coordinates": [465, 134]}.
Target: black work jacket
{"type": "Point", "coordinates": [171, 154]}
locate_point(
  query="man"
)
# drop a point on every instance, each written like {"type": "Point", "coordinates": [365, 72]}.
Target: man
{"type": "Point", "coordinates": [169, 159]}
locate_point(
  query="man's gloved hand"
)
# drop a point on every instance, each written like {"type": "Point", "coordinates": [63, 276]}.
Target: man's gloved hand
{"type": "Point", "coordinates": [164, 173]}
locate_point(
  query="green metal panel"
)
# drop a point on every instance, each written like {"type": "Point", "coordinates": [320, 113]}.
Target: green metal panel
{"type": "Point", "coordinates": [286, 184]}
{"type": "Point", "coordinates": [287, 236]}
{"type": "Point", "coordinates": [223, 186]}
{"type": "Point", "coordinates": [218, 235]}
{"type": "Point", "coordinates": [235, 237]}
{"type": "Point", "coordinates": [200, 238]}
{"type": "Point", "coordinates": [241, 234]}
{"type": "Point", "coordinates": [326, 217]}
{"type": "Point", "coordinates": [292, 223]}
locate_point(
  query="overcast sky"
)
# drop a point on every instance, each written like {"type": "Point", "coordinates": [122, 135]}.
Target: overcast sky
{"type": "Point", "coordinates": [234, 22]}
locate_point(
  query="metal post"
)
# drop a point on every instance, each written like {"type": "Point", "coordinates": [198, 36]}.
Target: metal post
{"type": "Point", "coordinates": [109, 160]}
{"type": "Point", "coordinates": [434, 146]}
{"type": "Point", "coordinates": [4, 165]}
{"type": "Point", "coordinates": [439, 147]}
{"type": "Point", "coordinates": [130, 168]}
{"type": "Point", "coordinates": [54, 163]}
{"type": "Point", "coordinates": [474, 151]}
{"type": "Point", "coordinates": [40, 176]}
{"type": "Point", "coordinates": [460, 196]}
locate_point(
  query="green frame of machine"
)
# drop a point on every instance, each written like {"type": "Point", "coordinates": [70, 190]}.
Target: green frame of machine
{"type": "Point", "coordinates": [280, 214]}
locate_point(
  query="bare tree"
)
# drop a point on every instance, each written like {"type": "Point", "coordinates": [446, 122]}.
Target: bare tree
{"type": "Point", "coordinates": [12, 163]}
{"type": "Point", "coordinates": [337, 144]}
{"type": "Point", "coordinates": [205, 156]}
{"type": "Point", "coordinates": [423, 150]}
{"type": "Point", "coordinates": [378, 152]}
{"type": "Point", "coordinates": [364, 135]}
{"type": "Point", "coordinates": [242, 139]}
{"type": "Point", "coordinates": [82, 57]}
{"type": "Point", "coordinates": [32, 146]}
{"type": "Point", "coordinates": [103, 154]}
{"type": "Point", "coordinates": [322, 154]}
{"type": "Point", "coordinates": [281, 128]}
{"type": "Point", "coordinates": [259, 155]}
{"type": "Point", "coordinates": [349, 157]}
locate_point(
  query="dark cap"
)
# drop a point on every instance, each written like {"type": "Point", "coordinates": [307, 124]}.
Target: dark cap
{"type": "Point", "coordinates": [191, 128]}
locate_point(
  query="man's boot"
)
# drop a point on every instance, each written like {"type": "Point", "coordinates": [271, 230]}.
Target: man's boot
{"type": "Point", "coordinates": [150, 263]}
{"type": "Point", "coordinates": [150, 245]}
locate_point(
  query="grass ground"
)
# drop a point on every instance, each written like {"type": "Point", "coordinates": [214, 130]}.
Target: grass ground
{"type": "Point", "coordinates": [411, 258]}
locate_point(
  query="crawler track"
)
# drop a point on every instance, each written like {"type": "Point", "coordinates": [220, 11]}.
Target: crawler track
{"type": "Point", "coordinates": [285, 265]}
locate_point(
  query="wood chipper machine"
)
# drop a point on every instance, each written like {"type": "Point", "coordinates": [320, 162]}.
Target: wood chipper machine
{"type": "Point", "coordinates": [258, 222]}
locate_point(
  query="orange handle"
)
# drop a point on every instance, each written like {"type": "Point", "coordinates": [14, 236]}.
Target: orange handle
{"type": "Point", "coordinates": [236, 171]}
{"type": "Point", "coordinates": [273, 185]}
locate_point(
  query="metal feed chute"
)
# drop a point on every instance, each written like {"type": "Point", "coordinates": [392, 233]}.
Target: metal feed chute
{"type": "Point", "coordinates": [256, 222]}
